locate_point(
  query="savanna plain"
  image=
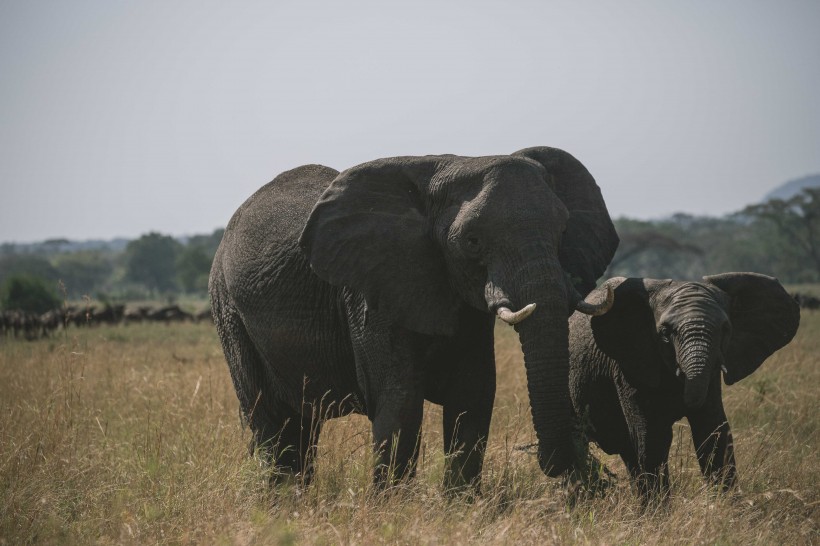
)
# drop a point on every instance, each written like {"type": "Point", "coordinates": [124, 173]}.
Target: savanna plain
{"type": "Point", "coordinates": [131, 435]}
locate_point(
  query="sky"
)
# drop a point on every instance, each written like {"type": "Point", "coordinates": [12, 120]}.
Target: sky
{"type": "Point", "coordinates": [119, 118]}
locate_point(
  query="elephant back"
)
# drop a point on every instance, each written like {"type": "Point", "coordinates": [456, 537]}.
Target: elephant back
{"type": "Point", "coordinates": [265, 229]}
{"type": "Point", "coordinates": [278, 211]}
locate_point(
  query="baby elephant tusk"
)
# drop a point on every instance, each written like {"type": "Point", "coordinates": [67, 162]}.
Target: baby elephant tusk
{"type": "Point", "coordinates": [514, 318]}
{"type": "Point", "coordinates": [678, 372]}
{"type": "Point", "coordinates": [723, 369]}
{"type": "Point", "coordinates": [597, 309]}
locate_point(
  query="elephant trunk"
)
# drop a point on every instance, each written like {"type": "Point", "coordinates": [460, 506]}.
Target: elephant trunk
{"type": "Point", "coordinates": [697, 360]}
{"type": "Point", "coordinates": [544, 342]}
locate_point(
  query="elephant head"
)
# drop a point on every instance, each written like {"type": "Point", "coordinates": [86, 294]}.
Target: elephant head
{"type": "Point", "coordinates": [514, 235]}
{"type": "Point", "coordinates": [730, 322]}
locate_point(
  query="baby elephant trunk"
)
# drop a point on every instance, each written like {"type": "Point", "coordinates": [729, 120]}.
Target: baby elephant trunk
{"type": "Point", "coordinates": [698, 357]}
{"type": "Point", "coordinates": [696, 389]}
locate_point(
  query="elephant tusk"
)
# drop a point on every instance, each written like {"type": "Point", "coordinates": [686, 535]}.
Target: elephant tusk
{"type": "Point", "coordinates": [723, 369]}
{"type": "Point", "coordinates": [678, 372]}
{"type": "Point", "coordinates": [514, 318]}
{"type": "Point", "coordinates": [597, 309]}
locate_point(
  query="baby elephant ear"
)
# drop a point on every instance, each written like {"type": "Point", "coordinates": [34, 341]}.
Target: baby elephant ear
{"type": "Point", "coordinates": [764, 318]}
{"type": "Point", "coordinates": [370, 231]}
{"type": "Point", "coordinates": [625, 333]}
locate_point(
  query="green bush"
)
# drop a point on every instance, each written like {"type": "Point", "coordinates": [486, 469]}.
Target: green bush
{"type": "Point", "coordinates": [29, 293]}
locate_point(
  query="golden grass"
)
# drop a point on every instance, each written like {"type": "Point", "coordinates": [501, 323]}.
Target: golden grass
{"type": "Point", "coordinates": [121, 435]}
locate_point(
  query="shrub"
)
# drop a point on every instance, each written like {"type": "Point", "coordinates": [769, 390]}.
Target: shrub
{"type": "Point", "coordinates": [29, 293]}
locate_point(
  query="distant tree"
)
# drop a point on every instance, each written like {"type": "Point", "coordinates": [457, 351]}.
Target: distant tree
{"type": "Point", "coordinates": [648, 241]}
{"type": "Point", "coordinates": [83, 272]}
{"type": "Point", "coordinates": [151, 261]}
{"type": "Point", "coordinates": [207, 243]}
{"type": "Point", "coordinates": [194, 262]}
{"type": "Point", "coordinates": [797, 221]}
{"type": "Point", "coordinates": [51, 247]}
{"type": "Point", "coordinates": [29, 293]}
{"type": "Point", "coordinates": [26, 264]}
{"type": "Point", "coordinates": [193, 268]}
{"type": "Point", "coordinates": [657, 249]}
{"type": "Point", "coordinates": [7, 249]}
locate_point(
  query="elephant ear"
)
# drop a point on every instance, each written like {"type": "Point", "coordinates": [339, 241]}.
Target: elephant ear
{"type": "Point", "coordinates": [590, 240]}
{"type": "Point", "coordinates": [626, 333]}
{"type": "Point", "coordinates": [369, 231]}
{"type": "Point", "coordinates": [764, 318]}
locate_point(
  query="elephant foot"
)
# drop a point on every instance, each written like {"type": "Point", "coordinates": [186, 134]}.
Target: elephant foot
{"type": "Point", "coordinates": [587, 477]}
{"type": "Point", "coordinates": [393, 474]}
{"type": "Point", "coordinates": [654, 491]}
{"type": "Point", "coordinates": [457, 487]}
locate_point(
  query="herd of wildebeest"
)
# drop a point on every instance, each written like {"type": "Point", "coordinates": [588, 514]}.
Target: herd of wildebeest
{"type": "Point", "coordinates": [25, 325]}
{"type": "Point", "coordinates": [21, 324]}
{"type": "Point", "coordinates": [807, 301]}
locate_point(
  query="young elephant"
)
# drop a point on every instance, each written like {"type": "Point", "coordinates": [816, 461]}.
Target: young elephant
{"type": "Point", "coordinates": [657, 356]}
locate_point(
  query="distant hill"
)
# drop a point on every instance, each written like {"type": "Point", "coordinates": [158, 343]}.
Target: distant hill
{"type": "Point", "coordinates": [793, 187]}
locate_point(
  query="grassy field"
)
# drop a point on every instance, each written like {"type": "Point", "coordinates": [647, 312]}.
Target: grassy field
{"type": "Point", "coordinates": [120, 435]}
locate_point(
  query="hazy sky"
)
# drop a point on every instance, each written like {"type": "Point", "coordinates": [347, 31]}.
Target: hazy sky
{"type": "Point", "coordinates": [117, 118]}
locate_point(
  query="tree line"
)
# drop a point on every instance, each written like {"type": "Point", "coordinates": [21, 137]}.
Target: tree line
{"type": "Point", "coordinates": [778, 237]}
{"type": "Point", "coordinates": [154, 266]}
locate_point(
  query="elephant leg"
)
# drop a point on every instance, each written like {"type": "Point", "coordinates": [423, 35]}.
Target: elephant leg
{"type": "Point", "coordinates": [654, 480]}
{"type": "Point", "coordinates": [282, 436]}
{"type": "Point", "coordinates": [286, 439]}
{"type": "Point", "coordinates": [249, 377]}
{"type": "Point", "coordinates": [396, 434]}
{"type": "Point", "coordinates": [293, 448]}
{"type": "Point", "coordinates": [651, 476]}
{"type": "Point", "coordinates": [468, 406]}
{"type": "Point", "coordinates": [713, 441]}
{"type": "Point", "coordinates": [465, 441]}
{"type": "Point", "coordinates": [388, 364]}
{"type": "Point", "coordinates": [650, 439]}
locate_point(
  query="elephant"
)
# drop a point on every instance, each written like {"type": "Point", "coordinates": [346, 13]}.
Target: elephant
{"type": "Point", "coordinates": [375, 289]}
{"type": "Point", "coordinates": [657, 356]}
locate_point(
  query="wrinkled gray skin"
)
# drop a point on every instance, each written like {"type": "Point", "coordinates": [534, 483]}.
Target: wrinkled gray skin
{"type": "Point", "coordinates": [657, 357]}
{"type": "Point", "coordinates": [372, 290]}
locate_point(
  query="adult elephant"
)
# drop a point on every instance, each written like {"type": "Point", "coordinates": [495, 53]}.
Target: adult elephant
{"type": "Point", "coordinates": [376, 288]}
{"type": "Point", "coordinates": [657, 357]}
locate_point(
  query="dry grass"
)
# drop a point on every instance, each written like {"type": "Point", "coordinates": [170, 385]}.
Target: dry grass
{"type": "Point", "coordinates": [131, 435]}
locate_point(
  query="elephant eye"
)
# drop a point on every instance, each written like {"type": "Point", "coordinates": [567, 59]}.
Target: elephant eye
{"type": "Point", "coordinates": [665, 333]}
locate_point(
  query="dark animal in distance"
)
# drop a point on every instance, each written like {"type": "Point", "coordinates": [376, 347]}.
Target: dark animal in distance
{"type": "Point", "coordinates": [15, 323]}
{"type": "Point", "coordinates": [807, 301]}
